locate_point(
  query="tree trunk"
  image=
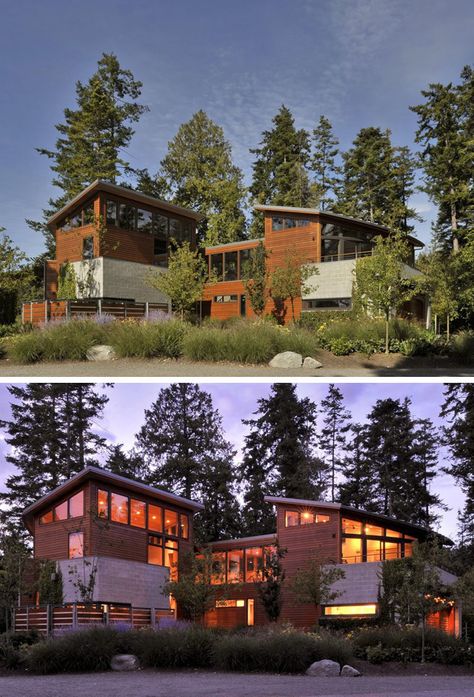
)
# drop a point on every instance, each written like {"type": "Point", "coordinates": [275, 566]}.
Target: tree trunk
{"type": "Point", "coordinates": [447, 327]}
{"type": "Point", "coordinates": [386, 332]}
{"type": "Point", "coordinates": [454, 228]}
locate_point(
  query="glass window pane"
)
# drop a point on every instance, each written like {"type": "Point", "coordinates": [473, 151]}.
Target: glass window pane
{"type": "Point", "coordinates": [373, 530]}
{"type": "Point", "coordinates": [88, 214]}
{"type": "Point", "coordinates": [353, 527]}
{"type": "Point", "coordinates": [277, 222]}
{"type": "Point", "coordinates": [155, 555]}
{"type": "Point", "coordinates": [374, 550]}
{"type": "Point", "coordinates": [392, 533]}
{"type": "Point", "coordinates": [111, 213]}
{"type": "Point", "coordinates": [159, 246]}
{"type": "Point", "coordinates": [392, 550]}
{"type": "Point", "coordinates": [217, 266]}
{"type": "Point", "coordinates": [292, 518]}
{"type": "Point", "coordinates": [307, 517]}
{"type": "Point", "coordinates": [155, 518]}
{"type": "Point", "coordinates": [320, 518]}
{"type": "Point", "coordinates": [235, 565]}
{"type": "Point", "coordinates": [127, 216]}
{"type": "Point", "coordinates": [183, 526]}
{"type": "Point", "coordinates": [351, 610]}
{"type": "Point", "coordinates": [253, 563]}
{"type": "Point", "coordinates": [160, 225]}
{"type": "Point", "coordinates": [408, 549]}
{"type": "Point", "coordinates": [102, 503]}
{"type": "Point", "coordinates": [171, 523]}
{"type": "Point", "coordinates": [268, 553]}
{"type": "Point", "coordinates": [119, 509]}
{"type": "Point", "coordinates": [351, 550]}
{"type": "Point", "coordinates": [144, 220]}
{"type": "Point", "coordinates": [76, 545]}
{"type": "Point", "coordinates": [60, 512]}
{"type": "Point", "coordinates": [76, 505]}
{"type": "Point", "coordinates": [230, 266]}
{"type": "Point", "coordinates": [170, 559]}
{"type": "Point", "coordinates": [76, 219]}
{"type": "Point", "coordinates": [171, 544]}
{"type": "Point", "coordinates": [137, 513]}
{"type": "Point", "coordinates": [176, 229]}
{"type": "Point", "coordinates": [244, 258]}
{"type": "Point", "coordinates": [218, 567]}
{"type": "Point", "coordinates": [88, 247]}
{"type": "Point", "coordinates": [47, 517]}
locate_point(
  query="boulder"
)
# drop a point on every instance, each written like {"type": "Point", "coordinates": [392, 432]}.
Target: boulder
{"type": "Point", "coordinates": [101, 353]}
{"type": "Point", "coordinates": [324, 668]}
{"type": "Point", "coordinates": [349, 672]}
{"type": "Point", "coordinates": [311, 363]}
{"type": "Point", "coordinates": [287, 359]}
{"type": "Point", "coordinates": [124, 661]}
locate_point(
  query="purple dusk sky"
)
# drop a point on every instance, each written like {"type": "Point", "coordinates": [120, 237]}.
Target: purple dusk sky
{"type": "Point", "coordinates": [123, 417]}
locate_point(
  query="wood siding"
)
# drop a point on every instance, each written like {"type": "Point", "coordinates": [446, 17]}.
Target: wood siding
{"type": "Point", "coordinates": [51, 540]}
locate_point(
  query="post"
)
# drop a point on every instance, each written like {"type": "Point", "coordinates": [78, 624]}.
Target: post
{"type": "Point", "coordinates": [125, 309]}
{"type": "Point", "coordinates": [153, 617]}
{"type": "Point", "coordinates": [74, 616]}
{"type": "Point", "coordinates": [46, 311]}
{"type": "Point", "coordinates": [48, 619]}
{"type": "Point", "coordinates": [31, 312]}
{"type": "Point", "coordinates": [68, 310]}
{"type": "Point", "coordinates": [147, 310]}
{"type": "Point", "coordinates": [99, 307]}
{"type": "Point", "coordinates": [27, 617]}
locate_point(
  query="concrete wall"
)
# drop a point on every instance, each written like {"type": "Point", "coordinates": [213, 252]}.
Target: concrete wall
{"type": "Point", "coordinates": [115, 278]}
{"type": "Point", "coordinates": [117, 581]}
{"type": "Point", "coordinates": [334, 280]}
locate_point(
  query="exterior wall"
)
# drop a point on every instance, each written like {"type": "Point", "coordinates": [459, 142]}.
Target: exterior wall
{"type": "Point", "coordinates": [69, 244]}
{"type": "Point", "coordinates": [104, 277]}
{"type": "Point", "coordinates": [360, 584]}
{"type": "Point", "coordinates": [333, 279]}
{"type": "Point", "coordinates": [116, 581]}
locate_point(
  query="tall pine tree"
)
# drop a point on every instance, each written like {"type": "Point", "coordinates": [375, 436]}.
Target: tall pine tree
{"type": "Point", "coordinates": [357, 486]}
{"type": "Point", "coordinates": [332, 439]}
{"type": "Point", "coordinates": [325, 171]}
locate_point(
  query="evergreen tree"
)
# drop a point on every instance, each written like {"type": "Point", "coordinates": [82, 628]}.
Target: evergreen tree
{"type": "Point", "coordinates": [357, 488]}
{"type": "Point", "coordinates": [51, 437]}
{"type": "Point", "coordinates": [279, 453]}
{"type": "Point", "coordinates": [425, 451]}
{"type": "Point", "coordinates": [94, 136]}
{"type": "Point", "coordinates": [183, 446]}
{"type": "Point", "coordinates": [458, 435]}
{"type": "Point", "coordinates": [280, 169]}
{"type": "Point", "coordinates": [332, 439]}
{"type": "Point", "coordinates": [126, 464]}
{"type": "Point", "coordinates": [199, 174]}
{"type": "Point", "coordinates": [323, 165]}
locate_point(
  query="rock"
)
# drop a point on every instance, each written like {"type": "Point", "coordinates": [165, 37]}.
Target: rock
{"type": "Point", "coordinates": [124, 661]}
{"type": "Point", "coordinates": [311, 363]}
{"type": "Point", "coordinates": [349, 672]}
{"type": "Point", "coordinates": [101, 353]}
{"type": "Point", "coordinates": [287, 359]}
{"type": "Point", "coordinates": [324, 668]}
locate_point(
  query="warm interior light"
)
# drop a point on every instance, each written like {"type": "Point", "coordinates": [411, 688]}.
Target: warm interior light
{"type": "Point", "coordinates": [369, 609]}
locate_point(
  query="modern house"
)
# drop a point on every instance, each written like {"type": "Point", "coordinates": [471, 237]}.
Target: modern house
{"type": "Point", "coordinates": [131, 536]}
{"type": "Point", "coordinates": [113, 236]}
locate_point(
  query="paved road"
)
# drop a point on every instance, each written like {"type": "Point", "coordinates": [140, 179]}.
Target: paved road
{"type": "Point", "coordinates": [206, 684]}
{"type": "Point", "coordinates": [170, 368]}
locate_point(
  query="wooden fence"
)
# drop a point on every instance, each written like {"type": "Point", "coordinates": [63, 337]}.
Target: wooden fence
{"type": "Point", "coordinates": [49, 620]}
{"type": "Point", "coordinates": [43, 311]}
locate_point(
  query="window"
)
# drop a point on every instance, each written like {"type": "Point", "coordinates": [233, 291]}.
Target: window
{"type": "Point", "coordinates": [225, 298]}
{"type": "Point", "coordinates": [320, 518]}
{"type": "Point", "coordinates": [253, 563]}
{"type": "Point", "coordinates": [176, 229]}
{"type": "Point", "coordinates": [76, 219]}
{"type": "Point", "coordinates": [392, 550]}
{"type": "Point", "coordinates": [47, 518]}
{"type": "Point", "coordinates": [171, 523]}
{"type": "Point", "coordinates": [76, 545]}
{"type": "Point", "coordinates": [76, 505]}
{"type": "Point", "coordinates": [375, 550]}
{"type": "Point", "coordinates": [160, 225]}
{"type": "Point", "coordinates": [306, 517]}
{"type": "Point", "coordinates": [119, 509]}
{"type": "Point", "coordinates": [353, 527]}
{"type": "Point", "coordinates": [351, 550]}
{"type": "Point", "coordinates": [60, 512]}
{"type": "Point", "coordinates": [218, 567]}
{"type": "Point", "coordinates": [250, 612]}
{"type": "Point", "coordinates": [230, 603]}
{"type": "Point", "coordinates": [102, 503]}
{"type": "Point", "coordinates": [170, 558]}
{"type": "Point", "coordinates": [217, 266]}
{"type": "Point", "coordinates": [144, 220]}
{"type": "Point", "coordinates": [137, 513]}
{"type": "Point", "coordinates": [230, 266]}
{"type": "Point", "coordinates": [392, 533]}
{"type": "Point", "coordinates": [183, 526]}
{"type": "Point", "coordinates": [155, 518]}
{"type": "Point", "coordinates": [235, 566]}
{"type": "Point", "coordinates": [159, 246]}
{"type": "Point", "coordinates": [339, 242]}
{"type": "Point", "coordinates": [111, 213]}
{"type": "Point", "coordinates": [327, 304]}
{"type": "Point", "coordinates": [88, 247]}
{"type": "Point", "coordinates": [126, 216]}
{"type": "Point", "coordinates": [375, 530]}
{"type": "Point", "coordinates": [155, 550]}
{"type": "Point", "coordinates": [244, 258]}
{"type": "Point", "coordinates": [369, 609]}
{"type": "Point", "coordinates": [279, 223]}
{"type": "Point", "coordinates": [88, 214]}
{"type": "Point", "coordinates": [292, 518]}
{"type": "Point", "coordinates": [408, 549]}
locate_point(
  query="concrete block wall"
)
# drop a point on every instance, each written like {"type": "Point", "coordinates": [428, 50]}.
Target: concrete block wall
{"type": "Point", "coordinates": [334, 280]}
{"type": "Point", "coordinates": [117, 581]}
{"type": "Point", "coordinates": [360, 584]}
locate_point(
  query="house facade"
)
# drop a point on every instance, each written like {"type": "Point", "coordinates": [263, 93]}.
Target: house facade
{"type": "Point", "coordinates": [131, 536]}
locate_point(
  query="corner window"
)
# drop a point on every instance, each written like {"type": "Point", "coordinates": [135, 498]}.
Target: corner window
{"type": "Point", "coordinates": [111, 213]}
{"type": "Point", "coordinates": [155, 518]}
{"type": "Point", "coordinates": [102, 503]}
{"type": "Point", "coordinates": [218, 568]}
{"type": "Point", "coordinates": [119, 509]}
{"type": "Point", "coordinates": [88, 247]}
{"type": "Point", "coordinates": [171, 523]}
{"type": "Point", "coordinates": [292, 518]}
{"type": "Point", "coordinates": [76, 545]}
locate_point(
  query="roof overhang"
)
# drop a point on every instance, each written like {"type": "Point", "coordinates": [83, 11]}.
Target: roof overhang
{"type": "Point", "coordinates": [245, 541]}
{"type": "Point", "coordinates": [106, 477]}
{"type": "Point", "coordinates": [130, 194]}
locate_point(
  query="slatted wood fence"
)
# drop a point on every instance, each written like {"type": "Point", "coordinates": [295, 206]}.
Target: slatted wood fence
{"type": "Point", "coordinates": [39, 312]}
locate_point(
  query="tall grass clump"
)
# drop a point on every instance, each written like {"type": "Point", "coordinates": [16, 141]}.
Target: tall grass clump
{"type": "Point", "coordinates": [57, 342]}
{"type": "Point", "coordinates": [147, 339]}
{"type": "Point", "coordinates": [462, 346]}
{"type": "Point", "coordinates": [189, 647]}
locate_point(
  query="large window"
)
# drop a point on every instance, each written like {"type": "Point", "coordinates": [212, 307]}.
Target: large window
{"type": "Point", "coordinates": [155, 518]}
{"type": "Point", "coordinates": [155, 550]}
{"type": "Point", "coordinates": [78, 218]}
{"type": "Point", "coordinates": [76, 505]}
{"type": "Point", "coordinates": [171, 523]}
{"type": "Point", "coordinates": [73, 507]}
{"type": "Point", "coordinates": [347, 610]}
{"type": "Point", "coordinates": [111, 213]}
{"type": "Point", "coordinates": [127, 216]}
{"type": "Point", "coordinates": [230, 266]}
{"type": "Point", "coordinates": [144, 220]}
{"type": "Point", "coordinates": [284, 223]}
{"type": "Point", "coordinates": [88, 247]}
{"type": "Point", "coordinates": [370, 542]}
{"type": "Point", "coordinates": [339, 242]}
{"type": "Point", "coordinates": [327, 304]}
{"type": "Point", "coordinates": [217, 266]}
{"type": "Point", "coordinates": [253, 563]}
{"type": "Point", "coordinates": [119, 509]}
{"type": "Point", "coordinates": [235, 566]}
{"type": "Point", "coordinates": [137, 513]}
{"type": "Point", "coordinates": [306, 516]}
{"type": "Point", "coordinates": [76, 545]}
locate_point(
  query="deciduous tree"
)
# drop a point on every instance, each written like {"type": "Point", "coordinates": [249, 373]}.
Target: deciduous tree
{"type": "Point", "coordinates": [313, 583]}
{"type": "Point", "coordinates": [288, 280]}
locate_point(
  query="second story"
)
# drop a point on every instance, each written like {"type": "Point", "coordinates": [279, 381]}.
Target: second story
{"type": "Point", "coordinates": [106, 220]}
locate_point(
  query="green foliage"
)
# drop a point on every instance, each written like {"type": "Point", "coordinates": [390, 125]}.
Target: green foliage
{"type": "Point", "coordinates": [323, 165]}
{"type": "Point", "coordinates": [271, 584]}
{"type": "Point", "coordinates": [313, 582]}
{"type": "Point", "coordinates": [193, 590]}
{"type": "Point", "coordinates": [279, 651]}
{"type": "Point", "coordinates": [67, 281]}
{"type": "Point", "coordinates": [288, 280]}
{"type": "Point", "coordinates": [16, 278]}
{"type": "Point", "coordinates": [462, 346]}
{"type": "Point", "coordinates": [147, 339]}
{"type": "Point", "coordinates": [68, 341]}
{"type": "Point", "coordinates": [185, 279]}
{"type": "Point", "coordinates": [50, 584]}
{"type": "Point", "coordinates": [255, 277]}
{"type": "Point", "coordinates": [14, 647]}
{"type": "Point", "coordinates": [191, 647]}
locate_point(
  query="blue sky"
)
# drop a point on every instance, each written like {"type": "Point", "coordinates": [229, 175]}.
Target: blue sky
{"type": "Point", "coordinates": [359, 62]}
{"type": "Point", "coordinates": [124, 415]}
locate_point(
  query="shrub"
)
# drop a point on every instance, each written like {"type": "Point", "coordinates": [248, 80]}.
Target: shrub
{"type": "Point", "coordinates": [188, 647]}
{"type": "Point", "coordinates": [57, 341]}
{"type": "Point", "coordinates": [148, 339]}
{"type": "Point", "coordinates": [341, 346]}
{"type": "Point", "coordinates": [462, 346]}
{"type": "Point", "coordinates": [13, 646]}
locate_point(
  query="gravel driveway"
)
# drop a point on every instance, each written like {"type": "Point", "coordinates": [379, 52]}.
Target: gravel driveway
{"type": "Point", "coordinates": [207, 684]}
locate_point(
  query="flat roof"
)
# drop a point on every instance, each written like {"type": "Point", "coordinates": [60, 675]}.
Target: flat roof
{"type": "Point", "coordinates": [280, 500]}
{"type": "Point", "coordinates": [137, 196]}
{"type": "Point", "coordinates": [238, 243]}
{"type": "Point", "coordinates": [108, 477]}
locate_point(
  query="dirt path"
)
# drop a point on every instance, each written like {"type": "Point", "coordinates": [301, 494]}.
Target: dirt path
{"type": "Point", "coordinates": [355, 365]}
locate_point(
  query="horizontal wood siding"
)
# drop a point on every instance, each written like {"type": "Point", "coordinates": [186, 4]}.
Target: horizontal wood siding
{"type": "Point", "coordinates": [223, 311]}
{"type": "Point", "coordinates": [51, 271]}
{"type": "Point", "coordinates": [52, 539]}
{"type": "Point", "coordinates": [69, 244]}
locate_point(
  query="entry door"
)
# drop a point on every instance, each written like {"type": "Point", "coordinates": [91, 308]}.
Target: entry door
{"type": "Point", "coordinates": [243, 309]}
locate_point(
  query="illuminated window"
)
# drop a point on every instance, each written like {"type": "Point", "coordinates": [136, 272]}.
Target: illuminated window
{"type": "Point", "coordinates": [170, 558]}
{"type": "Point", "coordinates": [183, 526]}
{"type": "Point", "coordinates": [76, 545]}
{"type": "Point", "coordinates": [307, 517]}
{"type": "Point", "coordinates": [392, 533]}
{"type": "Point", "coordinates": [353, 527]}
{"type": "Point", "coordinates": [375, 550]}
{"type": "Point", "coordinates": [319, 518]}
{"type": "Point", "coordinates": [334, 610]}
{"type": "Point", "coordinates": [292, 518]}
{"type": "Point", "coordinates": [268, 553]}
{"type": "Point", "coordinates": [392, 550]}
{"type": "Point", "coordinates": [218, 567]}
{"type": "Point", "coordinates": [250, 612]}
{"type": "Point", "coordinates": [408, 549]}
{"type": "Point", "coordinates": [372, 530]}
{"type": "Point", "coordinates": [230, 603]}
{"type": "Point", "coordinates": [47, 518]}
{"type": "Point", "coordinates": [102, 503]}
{"type": "Point", "coordinates": [155, 550]}
{"type": "Point", "coordinates": [137, 513]}
{"type": "Point", "coordinates": [351, 550]}
{"type": "Point", "coordinates": [235, 566]}
{"type": "Point", "coordinates": [119, 509]}
{"type": "Point", "coordinates": [171, 523]}
{"type": "Point", "coordinates": [60, 512]}
{"type": "Point", "coordinates": [155, 518]}
{"type": "Point", "coordinates": [76, 505]}
{"type": "Point", "coordinates": [253, 563]}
